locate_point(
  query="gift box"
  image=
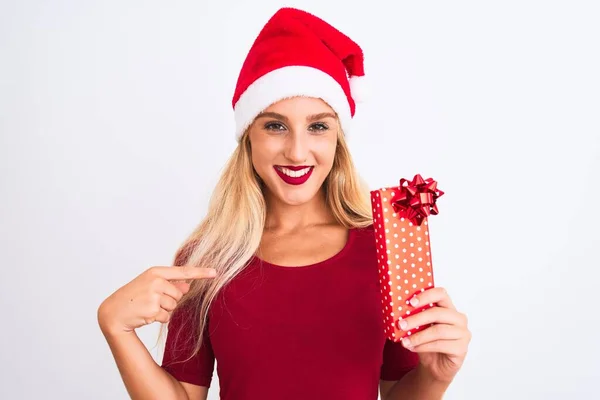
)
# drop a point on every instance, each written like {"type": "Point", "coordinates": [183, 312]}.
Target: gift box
{"type": "Point", "coordinates": [400, 220]}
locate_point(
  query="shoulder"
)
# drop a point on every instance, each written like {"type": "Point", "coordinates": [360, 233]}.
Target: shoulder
{"type": "Point", "coordinates": [363, 239]}
{"type": "Point", "coordinates": [365, 233]}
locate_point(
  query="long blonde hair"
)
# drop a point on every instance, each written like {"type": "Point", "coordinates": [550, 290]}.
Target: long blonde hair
{"type": "Point", "coordinates": [230, 234]}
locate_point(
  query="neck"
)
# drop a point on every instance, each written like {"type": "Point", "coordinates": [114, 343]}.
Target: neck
{"type": "Point", "coordinates": [283, 217]}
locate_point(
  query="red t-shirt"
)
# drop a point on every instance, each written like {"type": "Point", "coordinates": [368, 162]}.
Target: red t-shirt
{"type": "Point", "coordinates": [295, 332]}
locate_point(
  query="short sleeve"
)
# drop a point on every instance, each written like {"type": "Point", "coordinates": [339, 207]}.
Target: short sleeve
{"type": "Point", "coordinates": [397, 361]}
{"type": "Point", "coordinates": [181, 339]}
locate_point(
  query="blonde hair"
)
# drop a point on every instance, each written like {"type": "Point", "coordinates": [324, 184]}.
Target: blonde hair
{"type": "Point", "coordinates": [230, 234]}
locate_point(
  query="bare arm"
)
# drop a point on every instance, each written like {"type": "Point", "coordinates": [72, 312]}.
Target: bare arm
{"type": "Point", "coordinates": [151, 296]}
{"type": "Point", "coordinates": [144, 379]}
{"type": "Point", "coordinates": [415, 385]}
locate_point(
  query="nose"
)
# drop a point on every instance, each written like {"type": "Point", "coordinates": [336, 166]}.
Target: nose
{"type": "Point", "coordinates": [297, 147]}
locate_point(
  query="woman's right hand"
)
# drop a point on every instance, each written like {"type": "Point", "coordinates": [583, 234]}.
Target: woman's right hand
{"type": "Point", "coordinates": [149, 297]}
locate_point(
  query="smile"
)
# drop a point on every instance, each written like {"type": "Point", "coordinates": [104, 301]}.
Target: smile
{"type": "Point", "coordinates": [294, 174]}
{"type": "Point", "coordinates": [294, 177]}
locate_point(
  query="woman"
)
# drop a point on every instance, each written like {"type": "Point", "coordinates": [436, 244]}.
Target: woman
{"type": "Point", "coordinates": [279, 282]}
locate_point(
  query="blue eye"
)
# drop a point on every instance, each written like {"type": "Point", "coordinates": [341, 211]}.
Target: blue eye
{"type": "Point", "coordinates": [279, 127]}
{"type": "Point", "coordinates": [319, 126]}
{"type": "Point", "coordinates": [274, 126]}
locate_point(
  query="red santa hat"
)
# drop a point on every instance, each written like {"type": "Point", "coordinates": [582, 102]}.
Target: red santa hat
{"type": "Point", "coordinates": [298, 54]}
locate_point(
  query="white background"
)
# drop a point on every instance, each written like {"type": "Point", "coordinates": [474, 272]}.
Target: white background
{"type": "Point", "coordinates": [116, 120]}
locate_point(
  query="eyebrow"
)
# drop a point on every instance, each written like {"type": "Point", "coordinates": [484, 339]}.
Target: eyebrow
{"type": "Point", "coordinates": [310, 118]}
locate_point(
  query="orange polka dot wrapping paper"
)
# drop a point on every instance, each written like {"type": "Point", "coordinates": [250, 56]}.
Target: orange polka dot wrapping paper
{"type": "Point", "coordinates": [401, 223]}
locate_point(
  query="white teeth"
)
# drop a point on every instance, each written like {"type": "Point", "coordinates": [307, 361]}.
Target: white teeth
{"type": "Point", "coordinates": [294, 174]}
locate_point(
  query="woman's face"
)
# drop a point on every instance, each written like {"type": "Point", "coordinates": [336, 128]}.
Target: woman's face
{"type": "Point", "coordinates": [295, 132]}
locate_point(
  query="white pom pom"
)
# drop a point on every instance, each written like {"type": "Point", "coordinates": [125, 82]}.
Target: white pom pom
{"type": "Point", "coordinates": [358, 88]}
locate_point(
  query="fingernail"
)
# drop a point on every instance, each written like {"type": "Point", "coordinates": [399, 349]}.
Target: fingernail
{"type": "Point", "coordinates": [406, 342]}
{"type": "Point", "coordinates": [414, 302]}
{"type": "Point", "coordinates": [403, 325]}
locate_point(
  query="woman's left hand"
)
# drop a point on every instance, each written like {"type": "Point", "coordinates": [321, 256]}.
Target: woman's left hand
{"type": "Point", "coordinates": [442, 347]}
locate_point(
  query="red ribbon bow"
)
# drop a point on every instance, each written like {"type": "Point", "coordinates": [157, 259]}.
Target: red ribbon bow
{"type": "Point", "coordinates": [416, 200]}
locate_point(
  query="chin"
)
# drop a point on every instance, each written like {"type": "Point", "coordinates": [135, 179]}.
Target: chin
{"type": "Point", "coordinates": [295, 199]}
{"type": "Point", "coordinates": [295, 196]}
{"type": "Point", "coordinates": [291, 194]}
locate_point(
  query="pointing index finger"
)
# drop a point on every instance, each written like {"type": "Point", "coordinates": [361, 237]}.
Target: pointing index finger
{"type": "Point", "coordinates": [185, 272]}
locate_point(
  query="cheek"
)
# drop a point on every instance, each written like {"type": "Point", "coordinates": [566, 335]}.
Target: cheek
{"type": "Point", "coordinates": [262, 160]}
{"type": "Point", "coordinates": [326, 153]}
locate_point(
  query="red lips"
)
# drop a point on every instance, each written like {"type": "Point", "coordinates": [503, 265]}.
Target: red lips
{"type": "Point", "coordinates": [294, 168]}
{"type": "Point", "coordinates": [294, 181]}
